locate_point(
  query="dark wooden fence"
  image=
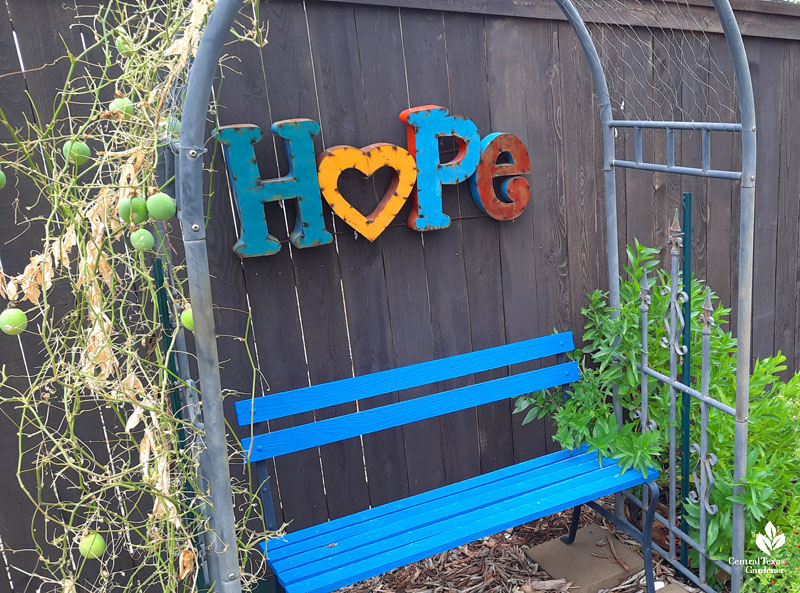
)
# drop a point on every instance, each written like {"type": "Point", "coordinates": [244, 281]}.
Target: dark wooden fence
{"type": "Point", "coordinates": [355, 307]}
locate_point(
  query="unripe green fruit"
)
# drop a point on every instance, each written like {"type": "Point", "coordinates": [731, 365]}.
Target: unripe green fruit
{"type": "Point", "coordinates": [122, 104]}
{"type": "Point", "coordinates": [187, 319]}
{"type": "Point", "coordinates": [123, 43]}
{"type": "Point", "coordinates": [92, 545]}
{"type": "Point", "coordinates": [133, 210]}
{"type": "Point", "coordinates": [2, 180]}
{"type": "Point", "coordinates": [161, 206]}
{"type": "Point", "coordinates": [13, 321]}
{"type": "Point", "coordinates": [76, 151]}
{"type": "Point", "coordinates": [142, 239]}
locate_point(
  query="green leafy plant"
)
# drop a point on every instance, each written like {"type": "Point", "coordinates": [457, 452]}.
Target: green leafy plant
{"type": "Point", "coordinates": [611, 350]}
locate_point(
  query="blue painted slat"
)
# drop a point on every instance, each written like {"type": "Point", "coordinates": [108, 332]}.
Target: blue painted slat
{"type": "Point", "coordinates": [279, 548]}
{"type": "Point", "coordinates": [331, 430]}
{"type": "Point", "coordinates": [306, 399]}
{"type": "Point", "coordinates": [386, 554]}
{"type": "Point", "coordinates": [356, 536]}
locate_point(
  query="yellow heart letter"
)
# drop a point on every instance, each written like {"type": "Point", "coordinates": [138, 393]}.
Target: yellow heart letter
{"type": "Point", "coordinates": [367, 160]}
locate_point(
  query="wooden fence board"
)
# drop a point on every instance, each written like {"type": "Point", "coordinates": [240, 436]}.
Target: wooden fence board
{"type": "Point", "coordinates": [403, 256]}
{"type": "Point", "coordinates": [16, 512]}
{"type": "Point", "coordinates": [788, 240]}
{"type": "Point", "coordinates": [426, 56]}
{"type": "Point", "coordinates": [545, 133]}
{"type": "Point", "coordinates": [319, 283]}
{"type": "Point", "coordinates": [666, 187]}
{"type": "Point", "coordinates": [720, 192]}
{"type": "Point", "coordinates": [363, 269]}
{"type": "Point", "coordinates": [40, 47]}
{"type": "Point", "coordinates": [694, 98]}
{"type": "Point", "coordinates": [637, 96]}
{"type": "Point", "coordinates": [275, 309]}
{"type": "Point", "coordinates": [579, 135]}
{"type": "Point", "coordinates": [610, 49]}
{"type": "Point", "coordinates": [767, 68]}
{"type": "Point", "coordinates": [506, 57]}
{"type": "Point", "coordinates": [469, 96]}
{"type": "Point", "coordinates": [363, 284]}
{"type": "Point", "coordinates": [43, 49]}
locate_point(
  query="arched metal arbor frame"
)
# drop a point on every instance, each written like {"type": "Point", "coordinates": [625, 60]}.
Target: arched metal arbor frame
{"type": "Point", "coordinates": [222, 552]}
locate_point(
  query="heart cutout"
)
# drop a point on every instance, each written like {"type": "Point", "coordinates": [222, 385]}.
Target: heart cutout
{"type": "Point", "coordinates": [367, 160]}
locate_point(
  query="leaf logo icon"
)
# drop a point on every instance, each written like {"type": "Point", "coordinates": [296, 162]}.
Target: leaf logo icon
{"type": "Point", "coordinates": [771, 540]}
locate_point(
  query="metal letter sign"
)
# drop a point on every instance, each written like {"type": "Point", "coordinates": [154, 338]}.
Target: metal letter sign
{"type": "Point", "coordinates": [418, 177]}
{"type": "Point", "coordinates": [515, 192]}
{"type": "Point", "coordinates": [425, 126]}
{"type": "Point", "coordinates": [367, 160]}
{"type": "Point", "coordinates": [252, 192]}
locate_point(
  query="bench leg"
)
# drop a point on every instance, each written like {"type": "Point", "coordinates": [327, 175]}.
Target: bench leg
{"type": "Point", "coordinates": [573, 526]}
{"type": "Point", "coordinates": [647, 535]}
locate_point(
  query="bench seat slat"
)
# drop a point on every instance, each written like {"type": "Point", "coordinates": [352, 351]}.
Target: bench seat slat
{"type": "Point", "coordinates": [357, 536]}
{"type": "Point", "coordinates": [297, 540]}
{"type": "Point", "coordinates": [297, 438]}
{"type": "Point", "coordinates": [433, 527]}
{"type": "Point", "coordinates": [385, 542]}
{"type": "Point", "coordinates": [306, 399]}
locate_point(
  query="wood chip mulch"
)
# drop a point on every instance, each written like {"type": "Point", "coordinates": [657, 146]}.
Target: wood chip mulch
{"type": "Point", "coordinates": [499, 564]}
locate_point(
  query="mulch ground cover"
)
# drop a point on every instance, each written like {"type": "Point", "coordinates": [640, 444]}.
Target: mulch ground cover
{"type": "Point", "coordinates": [502, 564]}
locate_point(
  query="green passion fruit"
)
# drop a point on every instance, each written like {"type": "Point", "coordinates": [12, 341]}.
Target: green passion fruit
{"type": "Point", "coordinates": [133, 210]}
{"type": "Point", "coordinates": [161, 206]}
{"type": "Point", "coordinates": [142, 239]}
{"type": "Point", "coordinates": [76, 151]}
{"type": "Point", "coordinates": [92, 545]}
{"type": "Point", "coordinates": [123, 105]}
{"type": "Point", "coordinates": [13, 321]}
{"type": "Point", "coordinates": [187, 319]}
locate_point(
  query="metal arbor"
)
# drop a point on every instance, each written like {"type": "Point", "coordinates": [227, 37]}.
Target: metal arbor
{"type": "Point", "coordinates": [747, 176]}
{"type": "Point", "coordinates": [223, 557]}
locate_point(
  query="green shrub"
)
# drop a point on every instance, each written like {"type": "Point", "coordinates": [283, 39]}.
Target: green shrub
{"type": "Point", "coordinates": [611, 350]}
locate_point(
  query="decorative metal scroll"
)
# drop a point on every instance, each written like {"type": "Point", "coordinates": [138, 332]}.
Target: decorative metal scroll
{"type": "Point", "coordinates": [705, 460]}
{"type": "Point", "coordinates": [673, 316]}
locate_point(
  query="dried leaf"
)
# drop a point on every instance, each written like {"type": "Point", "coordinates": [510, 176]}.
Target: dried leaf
{"type": "Point", "coordinates": [11, 290]}
{"type": "Point", "coordinates": [162, 475]}
{"type": "Point", "coordinates": [133, 384]}
{"type": "Point", "coordinates": [68, 586]}
{"type": "Point", "coordinates": [134, 419]}
{"type": "Point", "coordinates": [31, 279]}
{"type": "Point", "coordinates": [98, 357]}
{"type": "Point", "coordinates": [186, 564]}
{"type": "Point", "coordinates": [178, 47]}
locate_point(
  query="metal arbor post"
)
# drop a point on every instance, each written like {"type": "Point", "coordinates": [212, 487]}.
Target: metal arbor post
{"type": "Point", "coordinates": [223, 557]}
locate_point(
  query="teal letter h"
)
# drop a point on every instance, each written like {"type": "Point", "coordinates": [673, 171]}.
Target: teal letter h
{"type": "Point", "coordinates": [251, 192]}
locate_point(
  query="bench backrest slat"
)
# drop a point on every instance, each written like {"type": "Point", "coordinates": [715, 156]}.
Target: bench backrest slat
{"type": "Point", "coordinates": [331, 430]}
{"type": "Point", "coordinates": [306, 399]}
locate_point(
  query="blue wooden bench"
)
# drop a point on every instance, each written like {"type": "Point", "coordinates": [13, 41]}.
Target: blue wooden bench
{"type": "Point", "coordinates": [325, 557]}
